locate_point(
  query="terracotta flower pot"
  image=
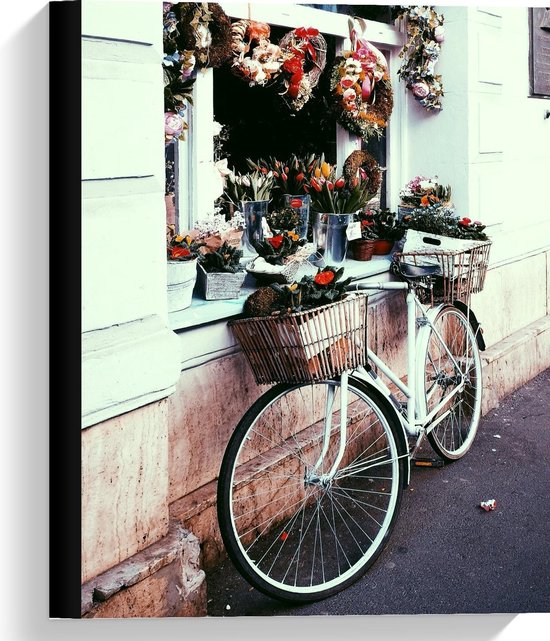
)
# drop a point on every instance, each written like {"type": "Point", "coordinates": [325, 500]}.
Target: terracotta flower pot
{"type": "Point", "coordinates": [382, 247]}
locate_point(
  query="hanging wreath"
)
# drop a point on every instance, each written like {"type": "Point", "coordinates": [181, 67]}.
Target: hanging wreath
{"type": "Point", "coordinates": [360, 164]}
{"type": "Point", "coordinates": [305, 55]}
{"type": "Point", "coordinates": [420, 54]}
{"type": "Point", "coordinates": [361, 88]}
{"type": "Point", "coordinates": [255, 58]}
{"type": "Point", "coordinates": [204, 29]}
{"type": "Point", "coordinates": [194, 35]}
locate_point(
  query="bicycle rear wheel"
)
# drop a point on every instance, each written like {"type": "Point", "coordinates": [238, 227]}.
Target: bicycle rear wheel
{"type": "Point", "coordinates": [291, 531]}
{"type": "Point", "coordinates": [452, 371]}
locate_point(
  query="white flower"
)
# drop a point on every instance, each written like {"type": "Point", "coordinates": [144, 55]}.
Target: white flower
{"type": "Point", "coordinates": [216, 128]}
{"type": "Point", "coordinates": [221, 166]}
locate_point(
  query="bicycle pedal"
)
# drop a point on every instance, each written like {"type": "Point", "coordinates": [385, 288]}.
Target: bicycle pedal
{"type": "Point", "coordinates": [428, 462]}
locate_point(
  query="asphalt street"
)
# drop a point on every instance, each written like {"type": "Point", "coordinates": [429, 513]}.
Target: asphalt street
{"type": "Point", "coordinates": [447, 555]}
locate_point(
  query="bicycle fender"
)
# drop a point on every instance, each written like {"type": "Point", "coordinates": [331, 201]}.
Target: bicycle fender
{"type": "Point", "coordinates": [400, 434]}
{"type": "Point", "coordinates": [476, 326]}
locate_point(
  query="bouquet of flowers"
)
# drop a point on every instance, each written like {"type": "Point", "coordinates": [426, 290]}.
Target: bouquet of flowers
{"type": "Point", "coordinates": [256, 185]}
{"type": "Point", "coordinates": [343, 195]}
{"type": "Point", "coordinates": [217, 228]}
{"type": "Point", "coordinates": [289, 175]}
{"type": "Point", "coordinates": [422, 192]}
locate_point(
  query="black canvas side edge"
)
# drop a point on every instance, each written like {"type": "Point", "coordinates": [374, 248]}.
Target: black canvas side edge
{"type": "Point", "coordinates": [65, 306]}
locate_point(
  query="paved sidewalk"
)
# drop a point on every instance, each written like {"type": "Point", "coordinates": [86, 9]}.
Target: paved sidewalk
{"type": "Point", "coordinates": [446, 554]}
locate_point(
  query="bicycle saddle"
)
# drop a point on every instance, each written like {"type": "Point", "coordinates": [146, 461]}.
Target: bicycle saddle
{"type": "Point", "coordinates": [410, 272]}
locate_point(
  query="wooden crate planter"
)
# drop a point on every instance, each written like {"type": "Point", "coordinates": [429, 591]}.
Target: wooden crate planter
{"type": "Point", "coordinates": [220, 285]}
{"type": "Point", "coordinates": [305, 346]}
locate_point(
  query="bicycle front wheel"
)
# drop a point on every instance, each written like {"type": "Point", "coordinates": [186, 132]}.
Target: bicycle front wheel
{"type": "Point", "coordinates": [452, 383]}
{"type": "Point", "coordinates": [294, 527]}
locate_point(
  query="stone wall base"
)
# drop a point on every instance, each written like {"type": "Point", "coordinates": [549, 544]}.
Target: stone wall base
{"type": "Point", "coordinates": [164, 580]}
{"type": "Point", "coordinates": [514, 361]}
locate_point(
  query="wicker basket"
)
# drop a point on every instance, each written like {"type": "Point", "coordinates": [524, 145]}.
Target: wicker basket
{"type": "Point", "coordinates": [306, 346]}
{"type": "Point", "coordinates": [463, 271]}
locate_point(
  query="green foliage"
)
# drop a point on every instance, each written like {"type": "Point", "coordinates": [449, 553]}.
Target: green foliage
{"type": "Point", "coordinates": [312, 291]}
{"type": "Point", "coordinates": [441, 221]}
{"type": "Point", "coordinates": [380, 224]}
{"type": "Point", "coordinates": [284, 219]}
{"type": "Point", "coordinates": [276, 249]}
{"type": "Point", "coordinates": [225, 259]}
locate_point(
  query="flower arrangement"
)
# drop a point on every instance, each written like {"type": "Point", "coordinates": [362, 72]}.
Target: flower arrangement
{"type": "Point", "coordinates": [252, 186]}
{"type": "Point", "coordinates": [179, 247]}
{"type": "Point", "coordinates": [420, 54]}
{"type": "Point", "coordinates": [323, 288]}
{"type": "Point", "coordinates": [289, 176]}
{"type": "Point", "coordinates": [383, 224]}
{"type": "Point", "coordinates": [361, 88]}
{"type": "Point", "coordinates": [275, 250]}
{"type": "Point", "coordinates": [422, 192]}
{"type": "Point", "coordinates": [436, 220]}
{"type": "Point", "coordinates": [265, 60]}
{"type": "Point", "coordinates": [344, 195]}
{"type": "Point", "coordinates": [304, 50]}
{"type": "Point", "coordinates": [225, 259]}
{"type": "Point", "coordinates": [284, 219]}
{"type": "Point", "coordinates": [216, 229]}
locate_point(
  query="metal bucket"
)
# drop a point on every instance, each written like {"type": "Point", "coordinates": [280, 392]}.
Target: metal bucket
{"type": "Point", "coordinates": [254, 212]}
{"type": "Point", "coordinates": [329, 234]}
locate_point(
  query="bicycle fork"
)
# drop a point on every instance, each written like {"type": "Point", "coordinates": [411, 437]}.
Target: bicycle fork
{"type": "Point", "coordinates": [313, 476]}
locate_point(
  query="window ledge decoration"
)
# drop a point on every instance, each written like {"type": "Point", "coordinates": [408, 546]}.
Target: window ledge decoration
{"type": "Point", "coordinates": [195, 35]}
{"type": "Point", "coordinates": [420, 54]}
{"type": "Point", "coordinates": [361, 88]}
{"type": "Point", "coordinates": [305, 52]}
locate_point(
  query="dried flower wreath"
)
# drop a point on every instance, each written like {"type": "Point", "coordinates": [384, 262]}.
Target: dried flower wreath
{"type": "Point", "coordinates": [305, 52]}
{"type": "Point", "coordinates": [205, 30]}
{"type": "Point", "coordinates": [265, 60]}
{"type": "Point", "coordinates": [420, 54]}
{"type": "Point", "coordinates": [361, 88]}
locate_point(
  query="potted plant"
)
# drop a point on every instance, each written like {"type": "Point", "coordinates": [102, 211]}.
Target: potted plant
{"type": "Point", "coordinates": [220, 273]}
{"type": "Point", "coordinates": [363, 248]}
{"type": "Point", "coordinates": [336, 200]}
{"type": "Point", "coordinates": [423, 192]}
{"type": "Point", "coordinates": [387, 229]}
{"type": "Point", "coordinates": [290, 179]}
{"type": "Point", "coordinates": [279, 257]}
{"type": "Point", "coordinates": [182, 252]}
{"type": "Point", "coordinates": [250, 193]}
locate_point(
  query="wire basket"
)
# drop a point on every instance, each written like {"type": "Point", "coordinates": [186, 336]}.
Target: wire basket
{"type": "Point", "coordinates": [463, 271]}
{"type": "Point", "coordinates": [305, 346]}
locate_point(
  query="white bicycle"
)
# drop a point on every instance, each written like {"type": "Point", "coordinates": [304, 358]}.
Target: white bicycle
{"type": "Point", "coordinates": [311, 482]}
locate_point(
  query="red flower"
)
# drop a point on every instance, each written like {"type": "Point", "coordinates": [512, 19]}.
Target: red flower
{"type": "Point", "coordinates": [302, 32]}
{"type": "Point", "coordinates": [179, 252]}
{"type": "Point", "coordinates": [367, 223]}
{"type": "Point", "coordinates": [299, 177]}
{"type": "Point", "coordinates": [330, 185]}
{"type": "Point", "coordinates": [293, 65]}
{"type": "Point", "coordinates": [339, 183]}
{"type": "Point", "coordinates": [316, 185]}
{"type": "Point", "coordinates": [324, 278]}
{"type": "Point", "coordinates": [296, 203]}
{"type": "Point", "coordinates": [276, 241]}
{"type": "Point", "coordinates": [465, 222]}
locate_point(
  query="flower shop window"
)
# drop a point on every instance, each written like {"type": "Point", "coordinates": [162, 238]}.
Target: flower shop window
{"type": "Point", "coordinates": [254, 121]}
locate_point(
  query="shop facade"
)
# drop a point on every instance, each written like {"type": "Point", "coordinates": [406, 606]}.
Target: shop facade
{"type": "Point", "coordinates": [163, 391]}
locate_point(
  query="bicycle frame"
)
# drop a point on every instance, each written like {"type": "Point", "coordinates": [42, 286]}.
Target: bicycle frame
{"type": "Point", "coordinates": [415, 419]}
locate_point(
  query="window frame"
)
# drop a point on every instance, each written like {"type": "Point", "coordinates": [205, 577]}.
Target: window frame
{"type": "Point", "coordinates": [194, 164]}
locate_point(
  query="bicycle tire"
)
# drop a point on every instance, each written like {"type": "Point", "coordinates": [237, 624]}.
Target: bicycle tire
{"type": "Point", "coordinates": [452, 430]}
{"type": "Point", "coordinates": [267, 485]}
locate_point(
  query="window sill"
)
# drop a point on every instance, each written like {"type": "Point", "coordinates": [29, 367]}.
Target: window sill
{"type": "Point", "coordinates": [202, 311]}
